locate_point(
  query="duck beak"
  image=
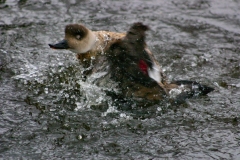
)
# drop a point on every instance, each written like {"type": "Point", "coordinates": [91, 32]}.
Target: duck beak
{"type": "Point", "coordinates": [60, 45]}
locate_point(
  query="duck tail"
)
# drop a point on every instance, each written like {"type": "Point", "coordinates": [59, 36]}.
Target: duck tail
{"type": "Point", "coordinates": [186, 89]}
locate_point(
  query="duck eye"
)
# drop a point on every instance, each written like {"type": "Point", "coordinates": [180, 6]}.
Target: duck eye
{"type": "Point", "coordinates": [78, 37]}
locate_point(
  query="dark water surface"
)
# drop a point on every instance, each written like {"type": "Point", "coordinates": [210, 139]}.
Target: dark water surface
{"type": "Point", "coordinates": [47, 112]}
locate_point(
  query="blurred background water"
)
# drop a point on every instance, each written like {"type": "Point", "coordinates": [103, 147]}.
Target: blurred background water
{"type": "Point", "coordinates": [47, 112]}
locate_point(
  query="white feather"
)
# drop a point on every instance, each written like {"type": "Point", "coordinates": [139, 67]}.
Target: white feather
{"type": "Point", "coordinates": [154, 73]}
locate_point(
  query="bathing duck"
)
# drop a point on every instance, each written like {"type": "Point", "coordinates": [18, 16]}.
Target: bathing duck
{"type": "Point", "coordinates": [139, 73]}
{"type": "Point", "coordinates": [90, 46]}
{"type": "Point", "coordinates": [127, 60]}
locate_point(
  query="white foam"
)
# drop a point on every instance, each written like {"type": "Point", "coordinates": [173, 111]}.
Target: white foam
{"type": "Point", "coordinates": [173, 93]}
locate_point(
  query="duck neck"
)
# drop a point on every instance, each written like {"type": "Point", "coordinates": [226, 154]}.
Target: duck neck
{"type": "Point", "coordinates": [92, 40]}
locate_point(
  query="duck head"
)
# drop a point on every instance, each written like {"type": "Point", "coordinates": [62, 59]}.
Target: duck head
{"type": "Point", "coordinates": [78, 39]}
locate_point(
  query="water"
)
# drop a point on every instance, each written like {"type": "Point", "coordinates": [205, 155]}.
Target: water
{"type": "Point", "coordinates": [47, 112]}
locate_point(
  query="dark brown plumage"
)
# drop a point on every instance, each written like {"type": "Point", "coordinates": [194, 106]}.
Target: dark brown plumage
{"type": "Point", "coordinates": [77, 32]}
{"type": "Point", "coordinates": [132, 66]}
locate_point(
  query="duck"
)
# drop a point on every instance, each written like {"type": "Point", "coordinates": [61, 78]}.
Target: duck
{"type": "Point", "coordinates": [140, 74]}
{"type": "Point", "coordinates": [127, 60]}
{"type": "Point", "coordinates": [90, 46]}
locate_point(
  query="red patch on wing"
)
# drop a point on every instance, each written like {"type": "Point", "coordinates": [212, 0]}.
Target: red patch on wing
{"type": "Point", "coordinates": [143, 66]}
